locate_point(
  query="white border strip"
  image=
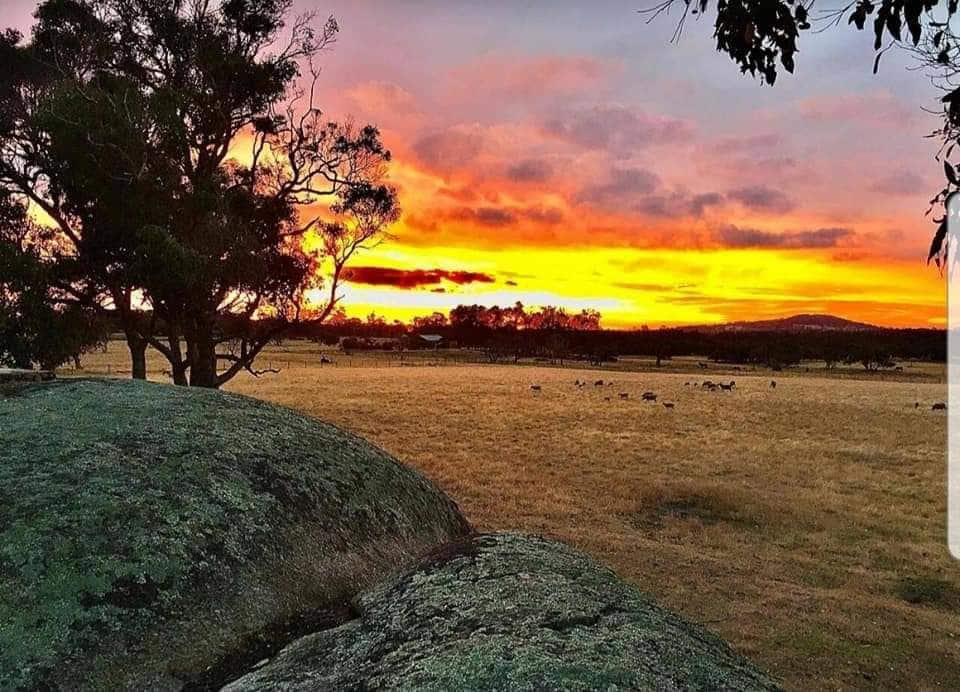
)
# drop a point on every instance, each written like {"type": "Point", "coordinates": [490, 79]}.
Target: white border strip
{"type": "Point", "coordinates": [953, 374]}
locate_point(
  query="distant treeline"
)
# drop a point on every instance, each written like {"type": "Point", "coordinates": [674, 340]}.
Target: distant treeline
{"type": "Point", "coordinates": [873, 349]}
{"type": "Point", "coordinates": [514, 333]}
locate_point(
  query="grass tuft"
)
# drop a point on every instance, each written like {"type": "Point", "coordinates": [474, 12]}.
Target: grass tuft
{"type": "Point", "coordinates": [928, 590]}
{"type": "Point", "coordinates": [701, 505]}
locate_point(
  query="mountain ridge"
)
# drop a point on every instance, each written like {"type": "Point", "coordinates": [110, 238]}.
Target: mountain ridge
{"type": "Point", "coordinates": [793, 323]}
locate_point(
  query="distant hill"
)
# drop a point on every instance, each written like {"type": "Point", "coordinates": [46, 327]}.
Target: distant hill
{"type": "Point", "coordinates": [796, 323]}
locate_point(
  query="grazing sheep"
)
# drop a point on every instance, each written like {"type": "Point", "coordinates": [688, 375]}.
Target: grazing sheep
{"type": "Point", "coordinates": [649, 396]}
{"type": "Point", "coordinates": [773, 384]}
{"type": "Point", "coordinates": [598, 383]}
{"type": "Point", "coordinates": [535, 387]}
{"type": "Point", "coordinates": [624, 395]}
{"type": "Point", "coordinates": [606, 398]}
{"type": "Point", "coordinates": [728, 387]}
{"type": "Point", "coordinates": [686, 384]}
{"type": "Point", "coordinates": [939, 407]}
{"type": "Point", "coordinates": [668, 404]}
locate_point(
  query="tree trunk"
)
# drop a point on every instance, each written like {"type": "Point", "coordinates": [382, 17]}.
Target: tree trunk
{"type": "Point", "coordinates": [178, 367]}
{"type": "Point", "coordinates": [203, 367]}
{"type": "Point", "coordinates": [179, 375]}
{"type": "Point", "coordinates": [138, 356]}
{"type": "Point", "coordinates": [132, 328]}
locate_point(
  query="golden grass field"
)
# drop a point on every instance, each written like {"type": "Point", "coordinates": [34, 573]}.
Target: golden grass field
{"type": "Point", "coordinates": [805, 524]}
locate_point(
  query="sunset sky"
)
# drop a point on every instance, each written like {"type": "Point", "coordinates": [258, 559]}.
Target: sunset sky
{"type": "Point", "coordinates": [566, 153]}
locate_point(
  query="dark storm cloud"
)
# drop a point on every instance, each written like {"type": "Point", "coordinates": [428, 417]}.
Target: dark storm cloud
{"type": "Point", "coordinates": [413, 278]}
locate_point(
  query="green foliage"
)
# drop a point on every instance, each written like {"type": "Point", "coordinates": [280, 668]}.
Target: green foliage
{"type": "Point", "coordinates": [870, 356]}
{"type": "Point", "coordinates": [169, 512]}
{"type": "Point", "coordinates": [757, 34]}
{"type": "Point", "coordinates": [37, 326]}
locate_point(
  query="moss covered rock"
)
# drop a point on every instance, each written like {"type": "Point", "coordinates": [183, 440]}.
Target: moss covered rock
{"type": "Point", "coordinates": [507, 612]}
{"type": "Point", "coordinates": [147, 530]}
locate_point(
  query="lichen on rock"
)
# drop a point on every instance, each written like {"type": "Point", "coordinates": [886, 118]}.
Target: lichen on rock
{"type": "Point", "coordinates": [147, 530]}
{"type": "Point", "coordinates": [507, 612]}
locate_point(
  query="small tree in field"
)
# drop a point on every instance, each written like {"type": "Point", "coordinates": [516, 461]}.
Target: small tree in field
{"type": "Point", "coordinates": [125, 126]}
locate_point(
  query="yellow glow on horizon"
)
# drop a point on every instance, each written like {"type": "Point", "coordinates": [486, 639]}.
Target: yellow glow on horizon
{"type": "Point", "coordinates": [632, 287]}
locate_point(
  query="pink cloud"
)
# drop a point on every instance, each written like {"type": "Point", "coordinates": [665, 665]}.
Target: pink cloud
{"type": "Point", "coordinates": [381, 98]}
{"type": "Point", "coordinates": [903, 182]}
{"type": "Point", "coordinates": [530, 170]}
{"type": "Point", "coordinates": [531, 77]}
{"type": "Point", "coordinates": [878, 108]}
{"type": "Point", "coordinates": [762, 198]}
{"type": "Point", "coordinates": [619, 129]}
{"type": "Point", "coordinates": [754, 144]}
{"type": "Point", "coordinates": [445, 150]}
{"type": "Point", "coordinates": [737, 237]}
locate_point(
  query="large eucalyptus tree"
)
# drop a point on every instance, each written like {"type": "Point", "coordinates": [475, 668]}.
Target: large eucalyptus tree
{"type": "Point", "coordinates": [195, 187]}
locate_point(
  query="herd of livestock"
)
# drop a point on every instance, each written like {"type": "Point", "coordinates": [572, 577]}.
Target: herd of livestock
{"type": "Point", "coordinates": [653, 396]}
{"type": "Point", "coordinates": [707, 385]}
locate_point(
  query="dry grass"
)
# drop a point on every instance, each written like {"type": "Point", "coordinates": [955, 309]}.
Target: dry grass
{"type": "Point", "coordinates": [804, 524]}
